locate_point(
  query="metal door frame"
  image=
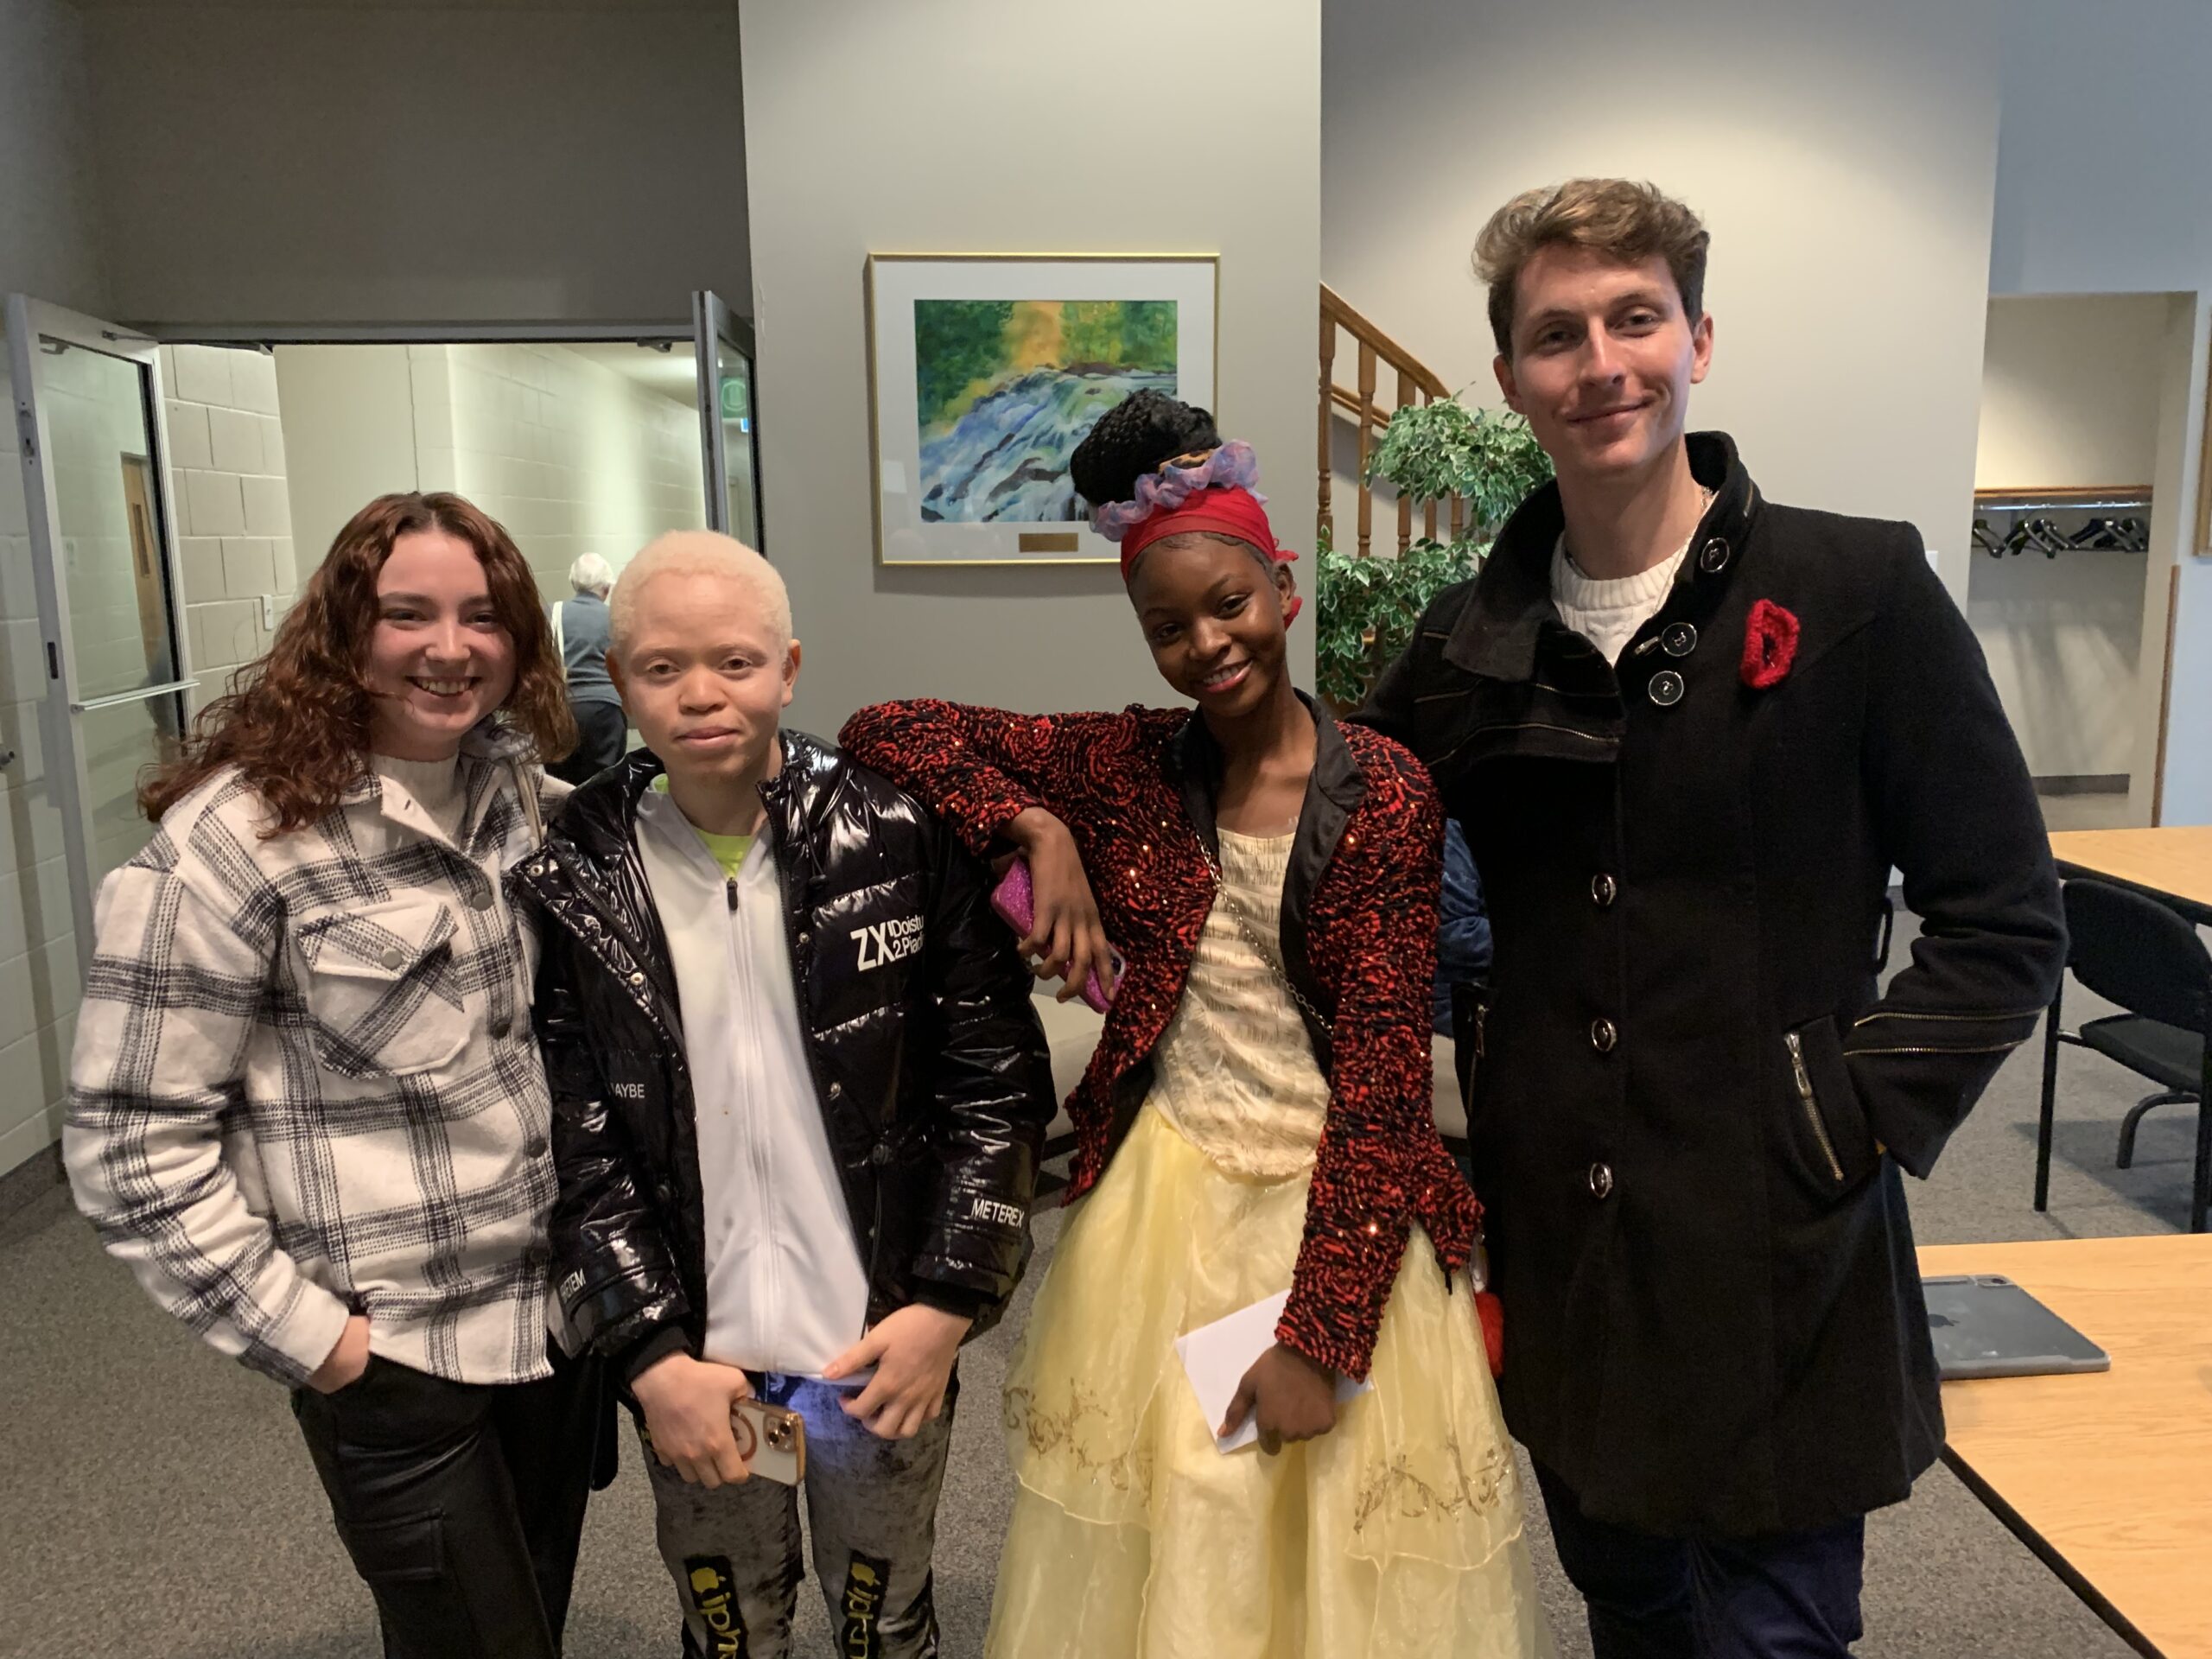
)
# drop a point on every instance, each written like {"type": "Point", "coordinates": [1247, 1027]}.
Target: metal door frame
{"type": "Point", "coordinates": [29, 322]}
{"type": "Point", "coordinates": [714, 325]}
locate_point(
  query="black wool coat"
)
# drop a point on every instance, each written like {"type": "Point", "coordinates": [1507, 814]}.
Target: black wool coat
{"type": "Point", "coordinates": [1691, 1101]}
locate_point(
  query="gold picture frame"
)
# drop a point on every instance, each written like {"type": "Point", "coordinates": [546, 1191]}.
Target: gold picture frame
{"type": "Point", "coordinates": [969, 429]}
{"type": "Point", "coordinates": [2202, 545]}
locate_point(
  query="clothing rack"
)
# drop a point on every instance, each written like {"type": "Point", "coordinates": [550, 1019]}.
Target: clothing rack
{"type": "Point", "coordinates": [2052, 522]}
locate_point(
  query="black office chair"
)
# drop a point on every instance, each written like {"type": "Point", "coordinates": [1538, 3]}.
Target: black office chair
{"type": "Point", "coordinates": [2131, 949]}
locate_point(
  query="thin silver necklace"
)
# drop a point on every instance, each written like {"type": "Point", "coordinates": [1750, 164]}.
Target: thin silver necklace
{"type": "Point", "coordinates": [1704, 506]}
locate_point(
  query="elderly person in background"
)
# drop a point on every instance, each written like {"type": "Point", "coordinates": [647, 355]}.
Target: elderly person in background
{"type": "Point", "coordinates": [580, 634]}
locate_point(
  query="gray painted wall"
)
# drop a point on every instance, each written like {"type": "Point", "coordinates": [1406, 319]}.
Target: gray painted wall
{"type": "Point", "coordinates": [977, 126]}
{"type": "Point", "coordinates": [2122, 204]}
{"type": "Point", "coordinates": [371, 163]}
{"type": "Point", "coordinates": [49, 234]}
{"type": "Point", "coordinates": [2101, 181]}
{"type": "Point", "coordinates": [1843, 158]}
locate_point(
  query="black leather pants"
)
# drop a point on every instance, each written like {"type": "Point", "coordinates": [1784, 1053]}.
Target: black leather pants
{"type": "Point", "coordinates": [460, 1503]}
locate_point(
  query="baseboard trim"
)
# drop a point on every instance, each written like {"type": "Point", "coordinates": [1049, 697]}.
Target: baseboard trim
{"type": "Point", "coordinates": [2094, 783]}
{"type": "Point", "coordinates": [32, 1179]}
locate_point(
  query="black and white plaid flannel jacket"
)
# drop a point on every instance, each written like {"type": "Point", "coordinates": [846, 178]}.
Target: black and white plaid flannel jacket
{"type": "Point", "coordinates": [305, 1081]}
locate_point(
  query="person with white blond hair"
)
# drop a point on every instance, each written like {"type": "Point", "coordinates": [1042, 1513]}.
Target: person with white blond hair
{"type": "Point", "coordinates": [799, 1097]}
{"type": "Point", "coordinates": [580, 634]}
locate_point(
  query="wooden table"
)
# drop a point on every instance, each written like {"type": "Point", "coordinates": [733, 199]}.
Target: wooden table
{"type": "Point", "coordinates": [2171, 864]}
{"type": "Point", "coordinates": [2107, 1477]}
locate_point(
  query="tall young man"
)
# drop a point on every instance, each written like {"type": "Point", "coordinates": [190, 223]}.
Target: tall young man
{"type": "Point", "coordinates": [1689, 733]}
{"type": "Point", "coordinates": [798, 1093]}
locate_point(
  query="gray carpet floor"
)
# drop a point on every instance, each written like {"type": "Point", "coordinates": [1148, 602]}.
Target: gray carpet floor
{"type": "Point", "coordinates": [154, 1498]}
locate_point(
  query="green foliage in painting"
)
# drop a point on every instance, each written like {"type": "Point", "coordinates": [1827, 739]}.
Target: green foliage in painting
{"type": "Point", "coordinates": [1367, 607]}
{"type": "Point", "coordinates": [956, 343]}
{"type": "Point", "coordinates": [1118, 333]}
{"type": "Point", "coordinates": [963, 348]}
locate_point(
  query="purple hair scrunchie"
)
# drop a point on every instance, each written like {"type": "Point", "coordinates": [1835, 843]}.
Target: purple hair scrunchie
{"type": "Point", "coordinates": [1231, 467]}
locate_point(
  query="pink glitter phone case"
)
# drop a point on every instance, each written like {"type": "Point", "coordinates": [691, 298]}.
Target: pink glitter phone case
{"type": "Point", "coordinates": [1016, 906]}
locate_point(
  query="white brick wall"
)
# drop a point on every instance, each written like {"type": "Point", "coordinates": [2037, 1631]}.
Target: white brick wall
{"type": "Point", "coordinates": [234, 520]}
{"type": "Point", "coordinates": [227, 490]}
{"type": "Point", "coordinates": [570, 457]}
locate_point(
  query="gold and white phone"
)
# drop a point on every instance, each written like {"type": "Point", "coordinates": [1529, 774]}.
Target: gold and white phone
{"type": "Point", "coordinates": [770, 1439]}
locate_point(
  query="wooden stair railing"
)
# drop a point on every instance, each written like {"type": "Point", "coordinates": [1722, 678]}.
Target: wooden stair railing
{"type": "Point", "coordinates": [1416, 382]}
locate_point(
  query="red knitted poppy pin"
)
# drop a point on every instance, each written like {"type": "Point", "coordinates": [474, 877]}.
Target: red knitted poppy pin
{"type": "Point", "coordinates": [1769, 646]}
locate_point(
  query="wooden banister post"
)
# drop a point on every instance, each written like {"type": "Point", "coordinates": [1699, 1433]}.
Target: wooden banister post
{"type": "Point", "coordinates": [1413, 380]}
{"type": "Point", "coordinates": [1366, 437]}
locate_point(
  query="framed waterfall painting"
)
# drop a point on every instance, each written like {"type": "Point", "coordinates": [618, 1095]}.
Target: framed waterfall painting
{"type": "Point", "coordinates": [985, 371]}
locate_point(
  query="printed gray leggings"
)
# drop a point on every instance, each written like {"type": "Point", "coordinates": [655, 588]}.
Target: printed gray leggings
{"type": "Point", "coordinates": [734, 1551]}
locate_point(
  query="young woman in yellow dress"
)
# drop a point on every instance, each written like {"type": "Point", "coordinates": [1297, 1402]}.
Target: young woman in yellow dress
{"type": "Point", "coordinates": [1257, 1120]}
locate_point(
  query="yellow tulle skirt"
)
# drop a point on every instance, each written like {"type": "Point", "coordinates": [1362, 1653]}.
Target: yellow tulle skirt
{"type": "Point", "coordinates": [1396, 1535]}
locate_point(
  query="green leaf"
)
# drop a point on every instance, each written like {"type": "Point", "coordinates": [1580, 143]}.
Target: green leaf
{"type": "Point", "coordinates": [1432, 451]}
{"type": "Point", "coordinates": [1428, 453]}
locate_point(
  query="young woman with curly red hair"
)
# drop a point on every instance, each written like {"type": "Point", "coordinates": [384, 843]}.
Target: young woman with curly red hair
{"type": "Point", "coordinates": [306, 1106]}
{"type": "Point", "coordinates": [1256, 1123]}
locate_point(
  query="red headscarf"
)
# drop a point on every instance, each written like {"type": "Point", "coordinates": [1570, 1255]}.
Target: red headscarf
{"type": "Point", "coordinates": [1179, 498]}
{"type": "Point", "coordinates": [1233, 512]}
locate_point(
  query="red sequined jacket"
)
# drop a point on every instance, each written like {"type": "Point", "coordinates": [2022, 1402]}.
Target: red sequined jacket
{"type": "Point", "coordinates": [1358, 940]}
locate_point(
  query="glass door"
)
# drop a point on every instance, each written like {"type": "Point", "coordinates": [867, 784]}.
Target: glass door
{"type": "Point", "coordinates": [731, 437]}
{"type": "Point", "coordinates": [87, 399]}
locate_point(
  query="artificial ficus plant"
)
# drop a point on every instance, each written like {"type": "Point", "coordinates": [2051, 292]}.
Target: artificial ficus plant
{"type": "Point", "coordinates": [1368, 607]}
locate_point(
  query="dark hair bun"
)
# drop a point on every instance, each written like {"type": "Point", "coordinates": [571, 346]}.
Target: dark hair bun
{"type": "Point", "coordinates": [1132, 439]}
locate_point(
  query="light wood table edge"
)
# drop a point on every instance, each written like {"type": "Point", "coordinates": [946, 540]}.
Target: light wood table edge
{"type": "Point", "coordinates": [2045, 1551]}
{"type": "Point", "coordinates": [2100, 856]}
{"type": "Point", "coordinates": [2019, 1260]}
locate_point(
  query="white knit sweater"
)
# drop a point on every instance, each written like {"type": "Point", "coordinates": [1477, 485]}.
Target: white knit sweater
{"type": "Point", "coordinates": [1607, 614]}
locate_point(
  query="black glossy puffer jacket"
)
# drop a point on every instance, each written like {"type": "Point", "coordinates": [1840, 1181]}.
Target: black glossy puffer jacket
{"type": "Point", "coordinates": [931, 1069]}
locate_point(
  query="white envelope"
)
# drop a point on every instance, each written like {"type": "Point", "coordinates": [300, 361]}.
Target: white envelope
{"type": "Point", "coordinates": [1217, 1356]}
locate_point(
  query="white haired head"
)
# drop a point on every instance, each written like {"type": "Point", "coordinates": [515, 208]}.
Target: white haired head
{"type": "Point", "coordinates": [591, 574]}
{"type": "Point", "coordinates": [700, 553]}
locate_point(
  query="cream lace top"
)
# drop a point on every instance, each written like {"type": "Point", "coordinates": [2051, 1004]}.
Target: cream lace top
{"type": "Point", "coordinates": [1236, 1072]}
